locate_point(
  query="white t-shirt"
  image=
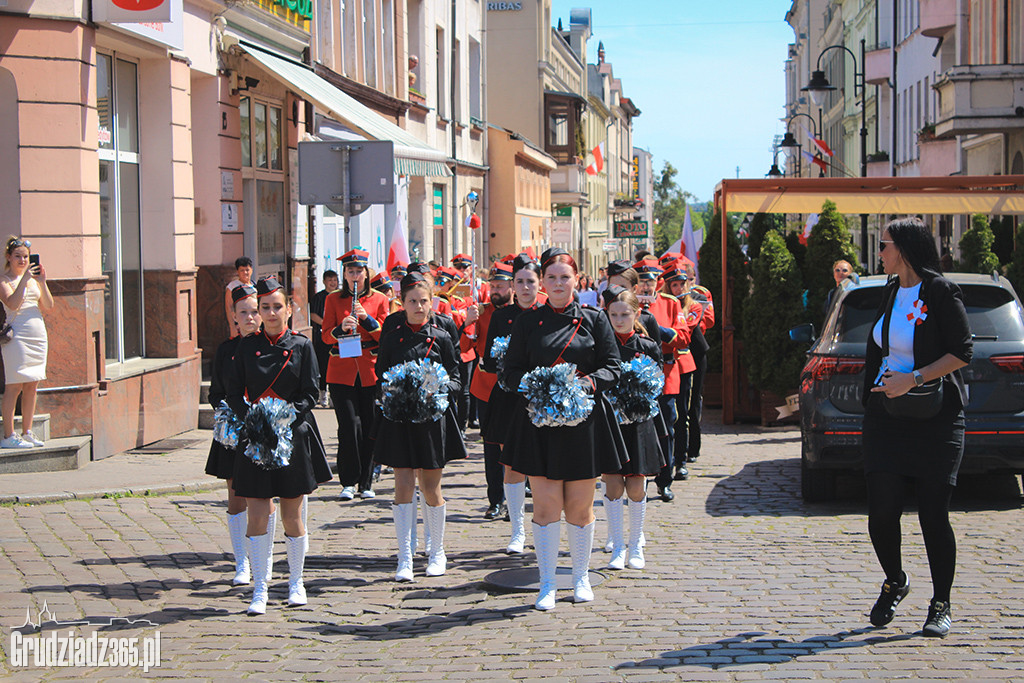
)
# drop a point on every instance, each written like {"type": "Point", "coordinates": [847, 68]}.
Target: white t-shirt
{"type": "Point", "coordinates": [906, 314]}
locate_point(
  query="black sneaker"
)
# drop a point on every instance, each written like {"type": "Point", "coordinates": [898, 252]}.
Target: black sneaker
{"type": "Point", "coordinates": [885, 606]}
{"type": "Point", "coordinates": [939, 619]}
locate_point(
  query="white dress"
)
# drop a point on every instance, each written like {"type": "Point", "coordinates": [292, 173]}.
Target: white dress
{"type": "Point", "coordinates": [25, 355]}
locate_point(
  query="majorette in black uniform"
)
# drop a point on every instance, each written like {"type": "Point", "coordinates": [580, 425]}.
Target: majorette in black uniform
{"type": "Point", "coordinates": [221, 461]}
{"type": "Point", "coordinates": [284, 368]}
{"type": "Point", "coordinates": [545, 337]}
{"type": "Point", "coordinates": [427, 445]}
{"type": "Point", "coordinates": [641, 438]}
{"type": "Point", "coordinates": [495, 424]}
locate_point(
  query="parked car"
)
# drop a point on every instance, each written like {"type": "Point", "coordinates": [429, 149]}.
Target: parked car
{"type": "Point", "coordinates": [832, 382]}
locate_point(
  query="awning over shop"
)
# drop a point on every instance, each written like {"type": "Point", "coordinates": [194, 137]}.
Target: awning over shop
{"type": "Point", "coordinates": [412, 155]}
{"type": "Point", "coordinates": [991, 195]}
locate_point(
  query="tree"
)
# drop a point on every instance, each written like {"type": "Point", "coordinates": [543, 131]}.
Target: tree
{"type": "Point", "coordinates": [1002, 230]}
{"type": "Point", "coordinates": [1015, 271]}
{"type": "Point", "coordinates": [710, 262]}
{"type": "Point", "coordinates": [829, 242]}
{"type": "Point", "coordinates": [976, 248]}
{"type": "Point", "coordinates": [761, 224]}
{"type": "Point", "coordinates": [774, 306]}
{"type": "Point", "coordinates": [669, 208]}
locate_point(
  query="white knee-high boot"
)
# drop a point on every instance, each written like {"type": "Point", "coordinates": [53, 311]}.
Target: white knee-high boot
{"type": "Point", "coordinates": [545, 543]}
{"type": "Point", "coordinates": [261, 550]}
{"type": "Point", "coordinates": [236, 527]}
{"type": "Point", "coordinates": [426, 527]}
{"type": "Point", "coordinates": [298, 546]}
{"type": "Point", "coordinates": [581, 542]}
{"type": "Point", "coordinates": [615, 510]}
{"type": "Point", "coordinates": [515, 496]}
{"type": "Point", "coordinates": [637, 513]}
{"type": "Point", "coordinates": [271, 531]}
{"type": "Point", "coordinates": [434, 522]}
{"type": "Point", "coordinates": [405, 529]}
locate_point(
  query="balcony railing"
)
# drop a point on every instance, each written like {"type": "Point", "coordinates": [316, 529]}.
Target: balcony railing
{"type": "Point", "coordinates": [937, 17]}
{"type": "Point", "coordinates": [980, 99]}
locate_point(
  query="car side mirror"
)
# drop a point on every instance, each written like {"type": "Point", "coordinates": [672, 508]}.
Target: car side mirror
{"type": "Point", "coordinates": [802, 333]}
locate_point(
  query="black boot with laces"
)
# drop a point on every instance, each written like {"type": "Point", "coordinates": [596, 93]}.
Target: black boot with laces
{"type": "Point", "coordinates": [939, 619]}
{"type": "Point", "coordinates": [885, 606]}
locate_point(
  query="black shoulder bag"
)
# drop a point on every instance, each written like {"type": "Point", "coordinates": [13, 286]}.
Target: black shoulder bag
{"type": "Point", "coordinates": [920, 403]}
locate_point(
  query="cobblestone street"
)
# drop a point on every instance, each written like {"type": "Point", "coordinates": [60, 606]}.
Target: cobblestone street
{"type": "Point", "coordinates": [743, 582]}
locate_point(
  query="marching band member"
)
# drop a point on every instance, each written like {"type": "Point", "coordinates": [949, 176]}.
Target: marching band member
{"type": "Point", "coordinates": [421, 448]}
{"type": "Point", "coordinates": [278, 363]}
{"type": "Point", "coordinates": [699, 351]}
{"type": "Point", "coordinates": [354, 309]}
{"type": "Point", "coordinates": [221, 461]}
{"type": "Point", "coordinates": [641, 438]}
{"type": "Point", "coordinates": [563, 462]}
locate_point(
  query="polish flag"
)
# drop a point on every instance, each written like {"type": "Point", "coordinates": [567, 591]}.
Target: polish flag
{"type": "Point", "coordinates": [820, 144]}
{"type": "Point", "coordinates": [812, 220]}
{"type": "Point", "coordinates": [598, 164]}
{"type": "Point", "coordinates": [815, 159]}
{"type": "Point", "coordinates": [398, 250]}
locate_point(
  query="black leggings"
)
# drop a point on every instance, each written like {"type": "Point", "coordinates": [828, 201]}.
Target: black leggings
{"type": "Point", "coordinates": [886, 497]}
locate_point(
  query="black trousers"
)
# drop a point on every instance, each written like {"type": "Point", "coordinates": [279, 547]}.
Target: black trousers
{"type": "Point", "coordinates": [462, 400]}
{"type": "Point", "coordinates": [696, 406]}
{"type": "Point", "coordinates": [674, 408]}
{"type": "Point", "coordinates": [323, 353]}
{"type": "Point", "coordinates": [494, 471]}
{"type": "Point", "coordinates": [353, 408]}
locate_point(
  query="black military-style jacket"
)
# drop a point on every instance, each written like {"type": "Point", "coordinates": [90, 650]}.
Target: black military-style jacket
{"type": "Point", "coordinates": [401, 344]}
{"type": "Point", "coordinates": [284, 368]}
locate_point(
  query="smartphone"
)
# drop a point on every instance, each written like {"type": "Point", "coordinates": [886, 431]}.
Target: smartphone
{"type": "Point", "coordinates": [33, 259]}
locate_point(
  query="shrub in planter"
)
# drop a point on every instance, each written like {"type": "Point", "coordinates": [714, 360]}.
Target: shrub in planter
{"type": "Point", "coordinates": [710, 262]}
{"type": "Point", "coordinates": [761, 224]}
{"type": "Point", "coordinates": [976, 254]}
{"type": "Point", "coordinates": [829, 242]}
{"type": "Point", "coordinates": [774, 306]}
{"type": "Point", "coordinates": [1015, 271]}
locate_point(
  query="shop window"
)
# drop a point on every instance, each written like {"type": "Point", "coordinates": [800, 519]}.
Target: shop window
{"type": "Point", "coordinates": [120, 212]}
{"type": "Point", "coordinates": [263, 183]}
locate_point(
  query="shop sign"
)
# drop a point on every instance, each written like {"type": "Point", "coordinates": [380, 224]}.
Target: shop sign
{"type": "Point", "coordinates": [504, 6]}
{"type": "Point", "coordinates": [610, 245]}
{"type": "Point", "coordinates": [630, 229]}
{"type": "Point", "coordinates": [636, 177]}
{"type": "Point", "coordinates": [561, 231]}
{"type": "Point", "coordinates": [295, 12]}
{"type": "Point", "coordinates": [157, 20]}
{"type": "Point", "coordinates": [563, 211]}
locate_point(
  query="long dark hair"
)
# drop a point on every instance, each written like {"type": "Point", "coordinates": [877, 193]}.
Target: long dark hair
{"type": "Point", "coordinates": [916, 245]}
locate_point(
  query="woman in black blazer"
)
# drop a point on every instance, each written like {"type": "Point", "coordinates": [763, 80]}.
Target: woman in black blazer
{"type": "Point", "coordinates": [923, 315]}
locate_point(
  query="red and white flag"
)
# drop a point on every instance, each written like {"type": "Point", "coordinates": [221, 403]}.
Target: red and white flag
{"type": "Point", "coordinates": [598, 164]}
{"type": "Point", "coordinates": [398, 250]}
{"type": "Point", "coordinates": [820, 144]}
{"type": "Point", "coordinates": [812, 220]}
{"type": "Point", "coordinates": [815, 159]}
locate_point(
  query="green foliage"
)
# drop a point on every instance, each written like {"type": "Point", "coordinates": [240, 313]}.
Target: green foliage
{"type": "Point", "coordinates": [1002, 230]}
{"type": "Point", "coordinates": [761, 224]}
{"type": "Point", "coordinates": [669, 208]}
{"type": "Point", "coordinates": [798, 250]}
{"type": "Point", "coordinates": [976, 248]}
{"type": "Point", "coordinates": [710, 262]}
{"type": "Point", "coordinates": [829, 242]}
{"type": "Point", "coordinates": [774, 306]}
{"type": "Point", "coordinates": [1015, 271]}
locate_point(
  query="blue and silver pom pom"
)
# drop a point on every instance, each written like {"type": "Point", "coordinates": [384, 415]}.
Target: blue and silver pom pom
{"type": "Point", "coordinates": [268, 427]}
{"type": "Point", "coordinates": [227, 428]}
{"type": "Point", "coordinates": [415, 391]}
{"type": "Point", "coordinates": [498, 349]}
{"type": "Point", "coordinates": [635, 396]}
{"type": "Point", "coordinates": [556, 397]}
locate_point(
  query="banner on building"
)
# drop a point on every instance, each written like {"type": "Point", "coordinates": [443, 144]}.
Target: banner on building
{"type": "Point", "coordinates": [561, 231]}
{"type": "Point", "coordinates": [159, 21]}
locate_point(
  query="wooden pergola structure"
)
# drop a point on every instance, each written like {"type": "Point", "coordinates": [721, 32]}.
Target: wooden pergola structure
{"type": "Point", "coordinates": [990, 195]}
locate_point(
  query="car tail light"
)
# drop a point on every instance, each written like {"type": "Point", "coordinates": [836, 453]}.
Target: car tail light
{"type": "Point", "coordinates": [1009, 363]}
{"type": "Point", "coordinates": [824, 367]}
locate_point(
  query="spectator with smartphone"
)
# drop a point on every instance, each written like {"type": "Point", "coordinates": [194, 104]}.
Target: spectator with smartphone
{"type": "Point", "coordinates": [23, 292]}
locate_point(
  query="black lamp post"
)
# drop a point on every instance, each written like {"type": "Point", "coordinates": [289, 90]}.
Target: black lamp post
{"type": "Point", "coordinates": [818, 86]}
{"type": "Point", "coordinates": [789, 140]}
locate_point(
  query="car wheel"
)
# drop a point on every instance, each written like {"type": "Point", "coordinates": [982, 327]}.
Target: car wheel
{"type": "Point", "coordinates": [816, 485]}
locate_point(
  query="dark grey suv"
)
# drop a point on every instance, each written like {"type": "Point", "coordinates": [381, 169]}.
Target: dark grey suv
{"type": "Point", "coordinates": [832, 382]}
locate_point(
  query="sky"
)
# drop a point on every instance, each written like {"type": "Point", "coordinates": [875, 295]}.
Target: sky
{"type": "Point", "coordinates": [708, 77]}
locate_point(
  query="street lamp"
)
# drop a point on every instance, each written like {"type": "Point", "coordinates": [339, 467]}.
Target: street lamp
{"type": "Point", "coordinates": [818, 86]}
{"type": "Point", "coordinates": [789, 140]}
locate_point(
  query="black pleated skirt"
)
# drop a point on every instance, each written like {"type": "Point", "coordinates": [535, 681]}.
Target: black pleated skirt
{"type": "Point", "coordinates": [923, 449]}
{"type": "Point", "coordinates": [585, 451]}
{"type": "Point", "coordinates": [500, 406]}
{"type": "Point", "coordinates": [643, 444]}
{"type": "Point", "coordinates": [419, 445]}
{"type": "Point", "coordinates": [307, 469]}
{"type": "Point", "coordinates": [220, 462]}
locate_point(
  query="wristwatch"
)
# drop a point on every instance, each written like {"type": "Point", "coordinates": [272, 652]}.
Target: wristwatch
{"type": "Point", "coordinates": [918, 379]}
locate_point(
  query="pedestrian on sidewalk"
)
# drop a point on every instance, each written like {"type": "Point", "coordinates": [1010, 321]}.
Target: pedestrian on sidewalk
{"type": "Point", "coordinates": [316, 319]}
{"type": "Point", "coordinates": [243, 276]}
{"type": "Point", "coordinates": [278, 363]}
{"type": "Point", "coordinates": [920, 340]}
{"type": "Point", "coordinates": [419, 448]}
{"type": "Point", "coordinates": [642, 438]}
{"type": "Point", "coordinates": [563, 462]}
{"type": "Point", "coordinates": [25, 295]}
{"type": "Point", "coordinates": [221, 461]}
